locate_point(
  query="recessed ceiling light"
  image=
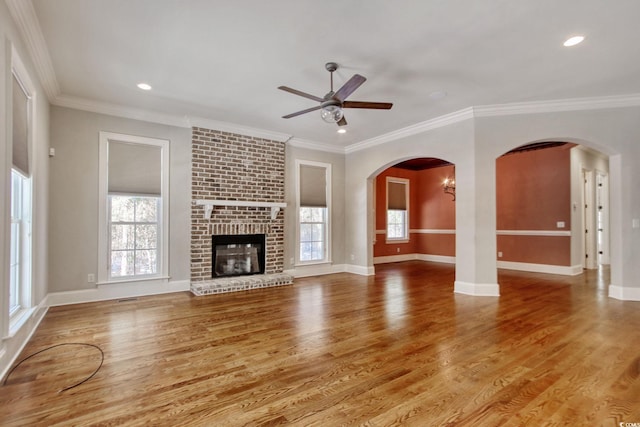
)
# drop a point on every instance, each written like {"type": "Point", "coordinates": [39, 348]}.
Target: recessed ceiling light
{"type": "Point", "coordinates": [573, 41]}
{"type": "Point", "coordinates": [342, 131]}
{"type": "Point", "coordinates": [144, 86]}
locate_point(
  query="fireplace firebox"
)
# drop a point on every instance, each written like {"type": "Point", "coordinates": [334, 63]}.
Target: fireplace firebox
{"type": "Point", "coordinates": [238, 254]}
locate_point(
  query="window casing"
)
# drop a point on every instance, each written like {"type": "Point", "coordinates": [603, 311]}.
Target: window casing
{"type": "Point", "coordinates": [397, 210]}
{"type": "Point", "coordinates": [134, 208]}
{"type": "Point", "coordinates": [313, 196]}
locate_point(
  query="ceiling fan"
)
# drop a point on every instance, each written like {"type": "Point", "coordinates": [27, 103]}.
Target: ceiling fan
{"type": "Point", "coordinates": [332, 103]}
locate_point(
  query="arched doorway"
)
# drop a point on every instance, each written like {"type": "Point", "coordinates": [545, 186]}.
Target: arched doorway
{"type": "Point", "coordinates": [414, 211]}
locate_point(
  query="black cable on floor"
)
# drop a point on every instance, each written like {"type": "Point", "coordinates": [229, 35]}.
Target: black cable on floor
{"type": "Point", "coordinates": [60, 345]}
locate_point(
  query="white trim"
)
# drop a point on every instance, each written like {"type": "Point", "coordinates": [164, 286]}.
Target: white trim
{"type": "Point", "coordinates": [432, 231]}
{"type": "Point", "coordinates": [316, 270]}
{"type": "Point", "coordinates": [27, 22]}
{"type": "Point", "coordinates": [573, 270]}
{"type": "Point", "coordinates": [361, 270]}
{"type": "Point", "coordinates": [210, 204]}
{"type": "Point", "coordinates": [444, 259]}
{"type": "Point", "coordinates": [103, 183]}
{"type": "Point", "coordinates": [427, 125]}
{"type": "Point", "coordinates": [312, 145]}
{"type": "Point", "coordinates": [327, 237]}
{"type": "Point", "coordinates": [394, 258]}
{"type": "Point", "coordinates": [557, 105]}
{"type": "Point", "coordinates": [118, 290]}
{"type": "Point", "coordinates": [477, 289]}
{"type": "Point", "coordinates": [550, 233]}
{"type": "Point", "coordinates": [624, 293]}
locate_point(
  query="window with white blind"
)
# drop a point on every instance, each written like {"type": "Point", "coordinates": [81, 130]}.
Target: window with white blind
{"type": "Point", "coordinates": [133, 182]}
{"type": "Point", "coordinates": [313, 196]}
{"type": "Point", "coordinates": [20, 246]}
{"type": "Point", "coordinates": [397, 209]}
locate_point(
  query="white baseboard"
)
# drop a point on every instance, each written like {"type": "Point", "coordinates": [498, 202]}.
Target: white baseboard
{"type": "Point", "coordinates": [437, 258]}
{"type": "Point", "coordinates": [316, 270]}
{"type": "Point", "coordinates": [116, 291]}
{"type": "Point", "coordinates": [477, 289]}
{"type": "Point", "coordinates": [394, 258]}
{"type": "Point", "coordinates": [13, 346]}
{"type": "Point", "coordinates": [362, 270]}
{"type": "Point", "coordinates": [624, 293]}
{"type": "Point", "coordinates": [573, 270]}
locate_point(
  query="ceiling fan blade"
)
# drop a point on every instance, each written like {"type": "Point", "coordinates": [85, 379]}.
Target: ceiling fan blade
{"type": "Point", "coordinates": [300, 93]}
{"type": "Point", "coordinates": [297, 113]}
{"type": "Point", "coordinates": [349, 87]}
{"type": "Point", "coordinates": [342, 122]}
{"type": "Point", "coordinates": [364, 104]}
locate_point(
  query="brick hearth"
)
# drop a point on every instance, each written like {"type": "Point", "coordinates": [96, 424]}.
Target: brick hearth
{"type": "Point", "coordinates": [227, 166]}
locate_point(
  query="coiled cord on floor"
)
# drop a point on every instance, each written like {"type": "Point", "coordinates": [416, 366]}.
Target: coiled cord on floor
{"type": "Point", "coordinates": [60, 345]}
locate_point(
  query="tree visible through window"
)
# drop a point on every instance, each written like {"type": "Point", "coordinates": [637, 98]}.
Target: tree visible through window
{"type": "Point", "coordinates": [396, 224]}
{"type": "Point", "coordinates": [134, 235]}
{"type": "Point", "coordinates": [312, 233]}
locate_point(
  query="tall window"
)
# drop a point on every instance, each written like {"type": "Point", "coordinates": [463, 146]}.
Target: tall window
{"type": "Point", "coordinates": [313, 211]}
{"type": "Point", "coordinates": [397, 209]}
{"type": "Point", "coordinates": [134, 186]}
{"type": "Point", "coordinates": [20, 244]}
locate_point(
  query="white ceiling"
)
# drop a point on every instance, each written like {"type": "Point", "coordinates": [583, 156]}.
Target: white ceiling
{"type": "Point", "coordinates": [223, 60]}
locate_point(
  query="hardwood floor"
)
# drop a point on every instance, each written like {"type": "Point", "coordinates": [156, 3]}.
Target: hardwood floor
{"type": "Point", "coordinates": [399, 348]}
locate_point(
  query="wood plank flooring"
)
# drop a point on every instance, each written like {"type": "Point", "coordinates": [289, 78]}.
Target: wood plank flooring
{"type": "Point", "coordinates": [399, 348]}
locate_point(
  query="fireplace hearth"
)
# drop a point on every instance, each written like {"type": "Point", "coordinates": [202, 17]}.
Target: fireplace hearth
{"type": "Point", "coordinates": [238, 255]}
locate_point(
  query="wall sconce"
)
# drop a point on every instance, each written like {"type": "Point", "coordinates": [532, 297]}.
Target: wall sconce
{"type": "Point", "coordinates": [449, 186]}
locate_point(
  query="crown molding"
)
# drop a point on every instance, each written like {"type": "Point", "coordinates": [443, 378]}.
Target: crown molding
{"type": "Point", "coordinates": [24, 15]}
{"type": "Point", "coordinates": [558, 105]}
{"type": "Point", "coordinates": [438, 122]}
{"type": "Point", "coordinates": [237, 129]}
{"type": "Point", "coordinates": [313, 145]}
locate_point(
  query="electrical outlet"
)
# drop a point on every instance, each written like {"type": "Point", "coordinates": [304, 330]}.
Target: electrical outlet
{"type": "Point", "coordinates": [499, 254]}
{"type": "Point", "coordinates": [398, 250]}
{"type": "Point", "coordinates": [91, 278]}
{"type": "Point", "coordinates": [560, 224]}
{"type": "Point", "coordinates": [353, 257]}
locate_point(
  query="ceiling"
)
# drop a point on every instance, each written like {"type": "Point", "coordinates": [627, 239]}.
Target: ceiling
{"type": "Point", "coordinates": [223, 60]}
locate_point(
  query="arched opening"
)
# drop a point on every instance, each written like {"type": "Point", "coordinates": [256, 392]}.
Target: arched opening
{"type": "Point", "coordinates": [414, 211]}
{"type": "Point", "coordinates": [552, 208]}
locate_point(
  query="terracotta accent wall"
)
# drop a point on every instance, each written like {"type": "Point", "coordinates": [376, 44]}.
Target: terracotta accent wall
{"type": "Point", "coordinates": [429, 209]}
{"type": "Point", "coordinates": [227, 166]}
{"type": "Point", "coordinates": [533, 194]}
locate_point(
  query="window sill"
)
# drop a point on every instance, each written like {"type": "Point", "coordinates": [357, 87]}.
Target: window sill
{"type": "Point", "coordinates": [305, 263]}
{"type": "Point", "coordinates": [133, 280]}
{"type": "Point", "coordinates": [392, 241]}
{"type": "Point", "coordinates": [18, 320]}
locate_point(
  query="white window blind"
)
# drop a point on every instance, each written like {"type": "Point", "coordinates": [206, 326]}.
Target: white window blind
{"type": "Point", "coordinates": [313, 186]}
{"type": "Point", "coordinates": [20, 129]}
{"type": "Point", "coordinates": [134, 169]}
{"type": "Point", "coordinates": [397, 196]}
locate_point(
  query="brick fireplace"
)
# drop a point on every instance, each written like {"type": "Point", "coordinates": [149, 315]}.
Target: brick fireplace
{"type": "Point", "coordinates": [236, 168]}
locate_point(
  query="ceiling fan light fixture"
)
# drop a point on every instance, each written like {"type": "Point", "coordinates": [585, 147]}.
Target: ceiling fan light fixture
{"type": "Point", "coordinates": [331, 113]}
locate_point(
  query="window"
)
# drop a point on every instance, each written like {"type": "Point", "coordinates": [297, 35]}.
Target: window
{"type": "Point", "coordinates": [312, 233]}
{"type": "Point", "coordinates": [134, 208]}
{"type": "Point", "coordinates": [313, 181]}
{"type": "Point", "coordinates": [134, 235]}
{"type": "Point", "coordinates": [20, 253]}
{"type": "Point", "coordinates": [397, 209]}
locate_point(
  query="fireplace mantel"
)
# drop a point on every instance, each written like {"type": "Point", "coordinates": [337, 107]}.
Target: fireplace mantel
{"type": "Point", "coordinates": [209, 204]}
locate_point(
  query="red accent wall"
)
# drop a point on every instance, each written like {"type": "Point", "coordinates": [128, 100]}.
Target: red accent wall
{"type": "Point", "coordinates": [533, 193]}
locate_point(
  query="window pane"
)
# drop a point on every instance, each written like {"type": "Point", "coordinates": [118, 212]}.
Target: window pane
{"type": "Point", "coordinates": [146, 262]}
{"type": "Point", "coordinates": [14, 273]}
{"type": "Point", "coordinates": [306, 214]}
{"type": "Point", "coordinates": [318, 232]}
{"type": "Point", "coordinates": [122, 236]}
{"type": "Point", "coordinates": [318, 214]}
{"type": "Point", "coordinates": [305, 232]}
{"type": "Point", "coordinates": [318, 251]}
{"type": "Point", "coordinates": [146, 236]}
{"type": "Point", "coordinates": [306, 251]}
{"type": "Point", "coordinates": [122, 263]}
{"type": "Point", "coordinates": [122, 209]}
{"type": "Point", "coordinates": [146, 209]}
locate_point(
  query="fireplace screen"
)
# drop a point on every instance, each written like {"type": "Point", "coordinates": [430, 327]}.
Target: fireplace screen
{"type": "Point", "coordinates": [238, 255]}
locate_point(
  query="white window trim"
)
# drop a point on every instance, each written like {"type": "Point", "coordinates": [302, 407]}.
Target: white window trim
{"type": "Point", "coordinates": [327, 238]}
{"type": "Point", "coordinates": [17, 319]}
{"type": "Point", "coordinates": [406, 182]}
{"type": "Point", "coordinates": [103, 205]}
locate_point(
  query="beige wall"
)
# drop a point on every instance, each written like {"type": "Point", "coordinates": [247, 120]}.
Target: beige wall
{"type": "Point", "coordinates": [73, 242]}
{"type": "Point", "coordinates": [337, 204]}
